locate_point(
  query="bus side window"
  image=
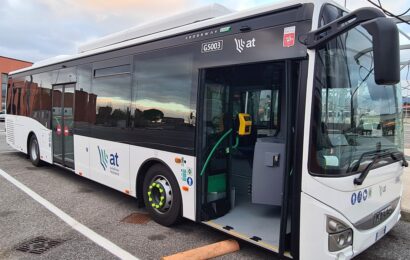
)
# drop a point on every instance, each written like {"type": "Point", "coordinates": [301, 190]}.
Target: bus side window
{"type": "Point", "coordinates": [164, 99]}
{"type": "Point", "coordinates": [111, 86]}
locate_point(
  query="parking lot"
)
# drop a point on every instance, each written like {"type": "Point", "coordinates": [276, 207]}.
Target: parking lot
{"type": "Point", "coordinates": [103, 210]}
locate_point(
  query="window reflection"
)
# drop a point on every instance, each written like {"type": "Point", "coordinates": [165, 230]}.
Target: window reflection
{"type": "Point", "coordinates": [112, 107]}
{"type": "Point", "coordinates": [157, 111]}
{"type": "Point", "coordinates": [353, 116]}
{"type": "Point", "coordinates": [85, 101]}
{"type": "Point", "coordinates": [164, 101]}
{"type": "Point", "coordinates": [31, 96]}
{"type": "Point", "coordinates": [41, 86]}
{"type": "Point", "coordinates": [113, 100]}
{"type": "Point", "coordinates": [163, 91]}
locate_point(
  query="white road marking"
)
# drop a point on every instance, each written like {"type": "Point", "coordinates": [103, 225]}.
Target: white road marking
{"type": "Point", "coordinates": [90, 234]}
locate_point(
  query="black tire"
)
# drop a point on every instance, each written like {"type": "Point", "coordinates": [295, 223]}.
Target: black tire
{"type": "Point", "coordinates": [34, 151]}
{"type": "Point", "coordinates": [169, 213]}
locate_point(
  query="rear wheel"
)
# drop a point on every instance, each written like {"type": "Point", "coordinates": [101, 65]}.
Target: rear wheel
{"type": "Point", "coordinates": [34, 151]}
{"type": "Point", "coordinates": [162, 196]}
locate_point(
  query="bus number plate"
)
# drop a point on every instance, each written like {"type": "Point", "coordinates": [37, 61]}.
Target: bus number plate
{"type": "Point", "coordinates": [212, 46]}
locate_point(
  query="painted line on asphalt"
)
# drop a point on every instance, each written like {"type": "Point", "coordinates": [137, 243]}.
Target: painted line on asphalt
{"type": "Point", "coordinates": [90, 234]}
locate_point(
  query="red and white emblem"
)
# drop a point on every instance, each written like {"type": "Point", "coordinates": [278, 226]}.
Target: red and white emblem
{"type": "Point", "coordinates": [289, 36]}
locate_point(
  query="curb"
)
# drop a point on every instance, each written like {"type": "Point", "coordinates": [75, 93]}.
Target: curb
{"type": "Point", "coordinates": [405, 216]}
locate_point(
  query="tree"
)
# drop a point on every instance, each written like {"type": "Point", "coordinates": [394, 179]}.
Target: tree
{"type": "Point", "coordinates": [153, 115]}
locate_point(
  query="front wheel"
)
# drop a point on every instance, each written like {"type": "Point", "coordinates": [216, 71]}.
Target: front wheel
{"type": "Point", "coordinates": [34, 151]}
{"type": "Point", "coordinates": [162, 196]}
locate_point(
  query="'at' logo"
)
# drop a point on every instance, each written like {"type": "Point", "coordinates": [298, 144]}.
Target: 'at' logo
{"type": "Point", "coordinates": [113, 158]}
{"type": "Point", "coordinates": [241, 44]}
{"type": "Point", "coordinates": [103, 158]}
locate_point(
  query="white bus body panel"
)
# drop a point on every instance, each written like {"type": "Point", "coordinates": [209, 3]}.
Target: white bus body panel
{"type": "Point", "coordinates": [18, 129]}
{"type": "Point", "coordinates": [379, 191]}
{"type": "Point", "coordinates": [182, 172]}
{"type": "Point", "coordinates": [114, 171]}
{"type": "Point", "coordinates": [119, 171]}
{"type": "Point", "coordinates": [82, 155]}
{"type": "Point", "coordinates": [124, 161]}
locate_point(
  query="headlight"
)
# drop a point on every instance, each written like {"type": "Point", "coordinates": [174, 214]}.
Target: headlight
{"type": "Point", "coordinates": [340, 235]}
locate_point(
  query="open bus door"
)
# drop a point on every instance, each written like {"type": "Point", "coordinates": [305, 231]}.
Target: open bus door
{"type": "Point", "coordinates": [245, 164]}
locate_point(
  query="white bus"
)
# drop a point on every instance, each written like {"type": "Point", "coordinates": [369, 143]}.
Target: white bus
{"type": "Point", "coordinates": [221, 117]}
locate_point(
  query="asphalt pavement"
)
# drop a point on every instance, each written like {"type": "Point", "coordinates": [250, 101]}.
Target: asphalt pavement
{"type": "Point", "coordinates": [103, 210]}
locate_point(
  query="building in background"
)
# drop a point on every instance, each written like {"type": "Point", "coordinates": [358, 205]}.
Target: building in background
{"type": "Point", "coordinates": [7, 65]}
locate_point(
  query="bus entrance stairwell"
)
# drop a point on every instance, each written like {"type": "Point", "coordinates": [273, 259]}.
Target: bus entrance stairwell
{"type": "Point", "coordinates": [243, 150]}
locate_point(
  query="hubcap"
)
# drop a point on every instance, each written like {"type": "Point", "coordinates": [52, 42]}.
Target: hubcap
{"type": "Point", "coordinates": [160, 194]}
{"type": "Point", "coordinates": [34, 150]}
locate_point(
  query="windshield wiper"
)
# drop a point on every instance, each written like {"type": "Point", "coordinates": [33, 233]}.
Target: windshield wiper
{"type": "Point", "coordinates": [395, 155]}
{"type": "Point", "coordinates": [373, 153]}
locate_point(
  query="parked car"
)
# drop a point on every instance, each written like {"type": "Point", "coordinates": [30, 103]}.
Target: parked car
{"type": "Point", "coordinates": [2, 116]}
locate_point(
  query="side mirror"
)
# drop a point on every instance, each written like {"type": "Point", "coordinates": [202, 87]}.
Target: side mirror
{"type": "Point", "coordinates": [386, 47]}
{"type": "Point", "coordinates": [386, 50]}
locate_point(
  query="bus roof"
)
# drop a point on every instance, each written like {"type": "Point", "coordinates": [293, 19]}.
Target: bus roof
{"type": "Point", "coordinates": [164, 24]}
{"type": "Point", "coordinates": [157, 30]}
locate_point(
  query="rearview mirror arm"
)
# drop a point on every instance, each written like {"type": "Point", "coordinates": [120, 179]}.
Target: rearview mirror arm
{"type": "Point", "coordinates": [318, 38]}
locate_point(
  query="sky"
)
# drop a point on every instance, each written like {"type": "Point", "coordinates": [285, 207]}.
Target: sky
{"type": "Point", "coordinates": [34, 30]}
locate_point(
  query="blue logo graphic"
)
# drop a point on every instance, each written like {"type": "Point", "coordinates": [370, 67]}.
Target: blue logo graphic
{"type": "Point", "coordinates": [190, 181]}
{"type": "Point", "coordinates": [113, 158]}
{"type": "Point", "coordinates": [365, 195]}
{"type": "Point", "coordinates": [359, 197]}
{"type": "Point", "coordinates": [353, 199]}
{"type": "Point", "coordinates": [103, 158]}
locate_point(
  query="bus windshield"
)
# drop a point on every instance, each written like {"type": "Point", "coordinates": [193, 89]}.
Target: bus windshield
{"type": "Point", "coordinates": [352, 115]}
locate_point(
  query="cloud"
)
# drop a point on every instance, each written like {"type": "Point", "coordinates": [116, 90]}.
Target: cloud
{"type": "Point", "coordinates": [38, 29]}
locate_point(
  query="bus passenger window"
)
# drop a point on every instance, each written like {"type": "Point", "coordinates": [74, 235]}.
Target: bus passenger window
{"type": "Point", "coordinates": [164, 101]}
